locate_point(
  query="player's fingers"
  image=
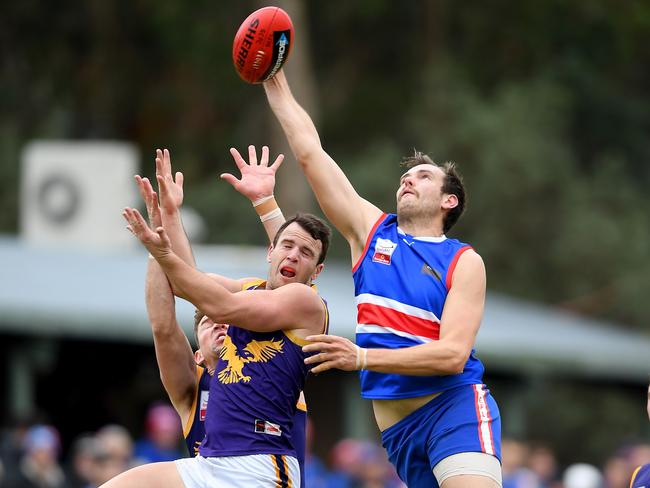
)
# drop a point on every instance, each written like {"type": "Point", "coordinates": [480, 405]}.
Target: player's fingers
{"type": "Point", "coordinates": [323, 367]}
{"type": "Point", "coordinates": [265, 156]}
{"type": "Point", "coordinates": [320, 338]}
{"type": "Point", "coordinates": [239, 161]}
{"type": "Point", "coordinates": [167, 162]}
{"type": "Point", "coordinates": [159, 162]}
{"type": "Point", "coordinates": [180, 178]}
{"type": "Point", "coordinates": [278, 161]}
{"type": "Point", "coordinates": [162, 184]}
{"type": "Point", "coordinates": [252, 155]}
{"type": "Point", "coordinates": [316, 347]}
{"type": "Point", "coordinates": [141, 189]}
{"type": "Point", "coordinates": [229, 178]}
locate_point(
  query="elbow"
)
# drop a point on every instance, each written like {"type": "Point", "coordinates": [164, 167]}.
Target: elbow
{"type": "Point", "coordinates": [456, 361]}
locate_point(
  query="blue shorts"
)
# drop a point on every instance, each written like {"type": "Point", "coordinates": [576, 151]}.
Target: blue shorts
{"type": "Point", "coordinates": [462, 419]}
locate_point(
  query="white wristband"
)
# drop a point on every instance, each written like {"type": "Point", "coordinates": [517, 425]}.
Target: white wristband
{"type": "Point", "coordinates": [362, 353]}
{"type": "Point", "coordinates": [262, 200]}
{"type": "Point", "coordinates": [276, 212]}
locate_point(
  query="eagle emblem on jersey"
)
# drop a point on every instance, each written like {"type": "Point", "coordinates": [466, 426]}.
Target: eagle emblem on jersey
{"type": "Point", "coordinates": [254, 352]}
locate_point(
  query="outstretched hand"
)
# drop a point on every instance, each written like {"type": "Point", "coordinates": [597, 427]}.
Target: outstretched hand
{"type": "Point", "coordinates": [257, 179]}
{"type": "Point", "coordinates": [156, 241]}
{"type": "Point", "coordinates": [170, 187]}
{"type": "Point", "coordinates": [150, 200]}
{"type": "Point", "coordinates": [332, 352]}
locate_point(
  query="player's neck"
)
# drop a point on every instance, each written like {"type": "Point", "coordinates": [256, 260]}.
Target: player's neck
{"type": "Point", "coordinates": [420, 228]}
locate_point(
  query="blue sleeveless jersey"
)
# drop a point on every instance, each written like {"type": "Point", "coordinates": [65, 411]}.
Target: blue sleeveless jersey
{"type": "Point", "coordinates": [194, 432]}
{"type": "Point", "coordinates": [254, 391]}
{"type": "Point", "coordinates": [401, 284]}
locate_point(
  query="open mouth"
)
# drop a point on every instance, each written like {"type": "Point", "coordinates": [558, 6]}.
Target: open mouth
{"type": "Point", "coordinates": [287, 272]}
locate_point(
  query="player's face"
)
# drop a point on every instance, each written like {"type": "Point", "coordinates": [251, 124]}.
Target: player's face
{"type": "Point", "coordinates": [420, 188]}
{"type": "Point", "coordinates": [294, 258]}
{"type": "Point", "coordinates": [211, 336]}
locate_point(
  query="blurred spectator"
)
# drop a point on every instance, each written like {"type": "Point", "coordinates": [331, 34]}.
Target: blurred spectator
{"type": "Point", "coordinates": [315, 471]}
{"type": "Point", "coordinates": [581, 475]}
{"type": "Point", "coordinates": [617, 472]}
{"type": "Point", "coordinates": [374, 469]}
{"type": "Point", "coordinates": [38, 466]}
{"type": "Point", "coordinates": [163, 436]}
{"type": "Point", "coordinates": [543, 463]}
{"type": "Point", "coordinates": [114, 453]}
{"type": "Point", "coordinates": [345, 457]}
{"type": "Point", "coordinates": [83, 465]}
{"type": "Point", "coordinates": [515, 473]}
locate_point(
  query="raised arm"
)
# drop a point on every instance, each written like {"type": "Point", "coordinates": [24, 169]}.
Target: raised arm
{"type": "Point", "coordinates": [173, 351]}
{"type": "Point", "coordinates": [170, 188]}
{"type": "Point", "coordinates": [293, 306]}
{"type": "Point", "coordinates": [257, 183]}
{"type": "Point", "coordinates": [459, 325]}
{"type": "Point", "coordinates": [349, 213]}
{"type": "Point", "coordinates": [174, 199]}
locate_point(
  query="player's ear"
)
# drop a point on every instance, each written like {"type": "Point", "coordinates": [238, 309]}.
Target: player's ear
{"type": "Point", "coordinates": [198, 357]}
{"type": "Point", "coordinates": [449, 201]}
{"type": "Point", "coordinates": [268, 253]}
{"type": "Point", "coordinates": [317, 271]}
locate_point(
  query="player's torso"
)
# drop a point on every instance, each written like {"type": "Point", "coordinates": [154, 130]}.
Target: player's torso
{"type": "Point", "coordinates": [253, 394]}
{"type": "Point", "coordinates": [401, 284]}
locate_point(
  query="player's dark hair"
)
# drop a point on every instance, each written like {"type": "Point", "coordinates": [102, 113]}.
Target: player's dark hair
{"type": "Point", "coordinates": [316, 228]}
{"type": "Point", "coordinates": [198, 315]}
{"type": "Point", "coordinates": [453, 185]}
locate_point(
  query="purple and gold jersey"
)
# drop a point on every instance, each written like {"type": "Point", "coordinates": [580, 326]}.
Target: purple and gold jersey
{"type": "Point", "coordinates": [641, 477]}
{"type": "Point", "coordinates": [401, 284]}
{"type": "Point", "coordinates": [194, 431]}
{"type": "Point", "coordinates": [254, 391]}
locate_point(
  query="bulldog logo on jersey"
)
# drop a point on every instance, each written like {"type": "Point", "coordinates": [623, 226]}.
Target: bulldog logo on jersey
{"type": "Point", "coordinates": [254, 352]}
{"type": "Point", "coordinates": [384, 249]}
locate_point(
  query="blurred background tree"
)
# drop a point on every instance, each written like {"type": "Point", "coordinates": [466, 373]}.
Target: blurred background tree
{"type": "Point", "coordinates": [544, 106]}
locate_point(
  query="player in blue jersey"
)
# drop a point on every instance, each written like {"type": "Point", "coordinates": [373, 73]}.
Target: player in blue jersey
{"type": "Point", "coordinates": [261, 370]}
{"type": "Point", "coordinates": [186, 375]}
{"type": "Point", "coordinates": [420, 299]}
{"type": "Point", "coordinates": [641, 475]}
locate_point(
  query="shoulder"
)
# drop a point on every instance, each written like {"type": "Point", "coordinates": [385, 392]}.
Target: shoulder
{"type": "Point", "coordinates": [468, 267]}
{"type": "Point", "coordinates": [641, 476]}
{"type": "Point", "coordinates": [250, 283]}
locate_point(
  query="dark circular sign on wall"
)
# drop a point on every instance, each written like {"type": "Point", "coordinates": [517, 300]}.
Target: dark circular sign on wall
{"type": "Point", "coordinates": [58, 198]}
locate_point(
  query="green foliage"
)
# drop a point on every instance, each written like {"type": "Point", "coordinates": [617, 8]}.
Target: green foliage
{"type": "Point", "coordinates": [543, 105]}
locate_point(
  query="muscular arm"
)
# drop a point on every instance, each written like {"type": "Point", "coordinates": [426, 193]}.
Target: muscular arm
{"type": "Point", "coordinates": [460, 322]}
{"type": "Point", "coordinates": [293, 306]}
{"type": "Point", "coordinates": [173, 351]}
{"type": "Point", "coordinates": [349, 213]}
{"type": "Point", "coordinates": [459, 325]}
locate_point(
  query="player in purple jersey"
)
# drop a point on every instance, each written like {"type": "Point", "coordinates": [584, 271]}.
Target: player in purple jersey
{"type": "Point", "coordinates": [420, 299]}
{"type": "Point", "coordinates": [641, 475]}
{"type": "Point", "coordinates": [261, 369]}
{"type": "Point", "coordinates": [186, 375]}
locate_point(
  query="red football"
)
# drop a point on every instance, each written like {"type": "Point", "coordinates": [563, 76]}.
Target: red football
{"type": "Point", "coordinates": [262, 44]}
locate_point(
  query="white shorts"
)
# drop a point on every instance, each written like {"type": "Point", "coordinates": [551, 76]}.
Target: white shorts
{"type": "Point", "coordinates": [255, 471]}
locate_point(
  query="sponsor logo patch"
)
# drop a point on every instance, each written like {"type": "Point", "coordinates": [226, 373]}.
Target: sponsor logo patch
{"type": "Point", "coordinates": [384, 249]}
{"type": "Point", "coordinates": [203, 408]}
{"type": "Point", "coordinates": [266, 427]}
